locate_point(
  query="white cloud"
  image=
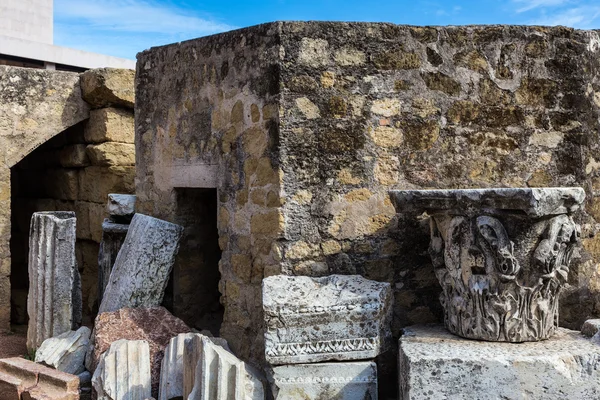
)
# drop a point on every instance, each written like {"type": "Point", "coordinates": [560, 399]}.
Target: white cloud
{"type": "Point", "coordinates": [134, 16]}
{"type": "Point", "coordinates": [580, 17]}
{"type": "Point", "coordinates": [528, 5]}
{"type": "Point", "coordinates": [124, 27]}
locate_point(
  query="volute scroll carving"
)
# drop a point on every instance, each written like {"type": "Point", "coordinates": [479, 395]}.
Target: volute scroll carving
{"type": "Point", "coordinates": [500, 255]}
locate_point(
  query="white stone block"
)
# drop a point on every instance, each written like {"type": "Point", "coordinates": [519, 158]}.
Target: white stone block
{"type": "Point", "coordinates": [123, 372]}
{"type": "Point", "coordinates": [347, 380]}
{"type": "Point", "coordinates": [434, 365]}
{"type": "Point", "coordinates": [121, 205]}
{"type": "Point", "coordinates": [171, 371]}
{"type": "Point", "coordinates": [337, 317]}
{"type": "Point", "coordinates": [213, 373]}
{"type": "Point", "coordinates": [65, 352]}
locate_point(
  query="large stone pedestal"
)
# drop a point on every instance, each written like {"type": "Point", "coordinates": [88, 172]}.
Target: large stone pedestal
{"type": "Point", "coordinates": [435, 364]}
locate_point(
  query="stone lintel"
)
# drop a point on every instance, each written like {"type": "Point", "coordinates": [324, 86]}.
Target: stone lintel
{"type": "Point", "coordinates": [535, 202]}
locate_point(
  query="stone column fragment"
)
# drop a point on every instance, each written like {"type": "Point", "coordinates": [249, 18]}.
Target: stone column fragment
{"type": "Point", "coordinates": [217, 373]}
{"type": "Point", "coordinates": [332, 318]}
{"type": "Point", "coordinates": [171, 371]}
{"type": "Point", "coordinates": [501, 255]}
{"type": "Point", "coordinates": [65, 352]}
{"type": "Point", "coordinates": [123, 372]}
{"type": "Point", "coordinates": [141, 271]}
{"type": "Point", "coordinates": [346, 380]}
{"type": "Point", "coordinates": [113, 236]}
{"type": "Point", "coordinates": [54, 300]}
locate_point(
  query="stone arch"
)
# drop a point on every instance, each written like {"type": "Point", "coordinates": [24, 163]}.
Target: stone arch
{"type": "Point", "coordinates": [35, 105]}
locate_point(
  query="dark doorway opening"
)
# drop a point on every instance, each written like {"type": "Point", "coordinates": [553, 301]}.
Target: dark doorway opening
{"type": "Point", "coordinates": [193, 293]}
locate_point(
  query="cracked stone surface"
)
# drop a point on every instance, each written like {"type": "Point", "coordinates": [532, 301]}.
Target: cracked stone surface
{"type": "Point", "coordinates": [337, 317]}
{"type": "Point", "coordinates": [435, 364]}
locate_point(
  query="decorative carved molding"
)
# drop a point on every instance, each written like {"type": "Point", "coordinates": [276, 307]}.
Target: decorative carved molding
{"type": "Point", "coordinates": [501, 269]}
{"type": "Point", "coordinates": [323, 347]}
{"type": "Point", "coordinates": [338, 317]}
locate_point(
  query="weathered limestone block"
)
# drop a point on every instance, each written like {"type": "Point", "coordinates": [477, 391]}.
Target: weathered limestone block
{"type": "Point", "coordinates": [95, 183]}
{"type": "Point", "coordinates": [501, 256]}
{"type": "Point", "coordinates": [218, 374]}
{"type": "Point", "coordinates": [123, 372]}
{"type": "Point", "coordinates": [348, 381]}
{"type": "Point", "coordinates": [37, 381]}
{"type": "Point", "coordinates": [65, 352]}
{"type": "Point", "coordinates": [106, 87]}
{"type": "Point", "coordinates": [113, 236]}
{"type": "Point", "coordinates": [111, 153]}
{"type": "Point", "coordinates": [74, 156]}
{"type": "Point", "coordinates": [171, 371]}
{"type": "Point", "coordinates": [36, 104]}
{"type": "Point", "coordinates": [143, 265]}
{"type": "Point", "coordinates": [110, 124]}
{"type": "Point", "coordinates": [121, 207]}
{"type": "Point", "coordinates": [434, 364]}
{"type": "Point", "coordinates": [590, 328]}
{"type": "Point", "coordinates": [54, 301]}
{"type": "Point", "coordinates": [332, 318]}
{"type": "Point", "coordinates": [154, 325]}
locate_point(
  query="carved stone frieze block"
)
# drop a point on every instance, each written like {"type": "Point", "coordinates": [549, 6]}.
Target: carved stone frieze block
{"type": "Point", "coordinates": [347, 380]}
{"type": "Point", "coordinates": [501, 256]}
{"type": "Point", "coordinates": [318, 319]}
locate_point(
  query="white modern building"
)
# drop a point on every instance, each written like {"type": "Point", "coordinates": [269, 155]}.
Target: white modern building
{"type": "Point", "coordinates": [27, 40]}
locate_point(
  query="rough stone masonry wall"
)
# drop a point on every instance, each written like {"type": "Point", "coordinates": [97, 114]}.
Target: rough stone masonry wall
{"type": "Point", "coordinates": [35, 105]}
{"type": "Point", "coordinates": [75, 171]}
{"type": "Point", "coordinates": [372, 107]}
{"type": "Point", "coordinates": [360, 109]}
{"type": "Point", "coordinates": [206, 117]}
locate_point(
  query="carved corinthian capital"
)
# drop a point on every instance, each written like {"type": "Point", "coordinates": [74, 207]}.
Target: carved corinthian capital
{"type": "Point", "coordinates": [501, 256]}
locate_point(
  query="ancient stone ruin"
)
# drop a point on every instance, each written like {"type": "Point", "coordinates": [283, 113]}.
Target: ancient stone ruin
{"type": "Point", "coordinates": [502, 256]}
{"type": "Point", "coordinates": [296, 218]}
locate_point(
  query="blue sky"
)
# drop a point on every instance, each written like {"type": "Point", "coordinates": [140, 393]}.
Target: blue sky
{"type": "Point", "coordinates": [124, 27]}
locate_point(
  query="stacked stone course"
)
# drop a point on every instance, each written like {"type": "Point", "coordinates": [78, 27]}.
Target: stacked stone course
{"type": "Point", "coordinates": [77, 169]}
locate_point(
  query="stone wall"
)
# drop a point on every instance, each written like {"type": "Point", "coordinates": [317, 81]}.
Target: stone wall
{"type": "Point", "coordinates": [63, 156]}
{"type": "Point", "coordinates": [74, 171]}
{"type": "Point", "coordinates": [304, 127]}
{"type": "Point", "coordinates": [35, 105]}
{"type": "Point", "coordinates": [206, 117]}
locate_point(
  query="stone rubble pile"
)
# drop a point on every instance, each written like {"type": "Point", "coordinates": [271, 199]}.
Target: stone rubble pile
{"type": "Point", "coordinates": [154, 325]}
{"type": "Point", "coordinates": [125, 350]}
{"type": "Point", "coordinates": [313, 320]}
